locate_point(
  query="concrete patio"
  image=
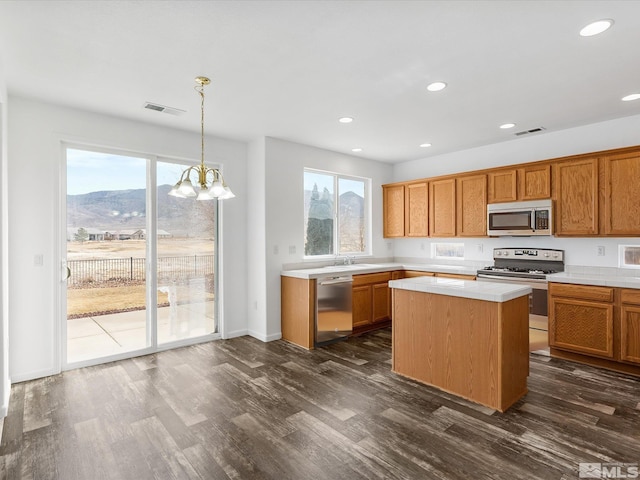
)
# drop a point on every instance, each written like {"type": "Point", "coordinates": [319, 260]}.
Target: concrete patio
{"type": "Point", "coordinates": [102, 335]}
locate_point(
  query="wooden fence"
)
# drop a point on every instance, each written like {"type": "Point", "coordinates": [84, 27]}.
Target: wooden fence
{"type": "Point", "coordinates": [96, 271]}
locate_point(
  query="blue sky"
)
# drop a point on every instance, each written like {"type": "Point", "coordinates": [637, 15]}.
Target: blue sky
{"type": "Point", "coordinates": [94, 171]}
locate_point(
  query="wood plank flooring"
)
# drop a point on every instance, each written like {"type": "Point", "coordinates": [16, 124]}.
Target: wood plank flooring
{"type": "Point", "coordinates": [243, 409]}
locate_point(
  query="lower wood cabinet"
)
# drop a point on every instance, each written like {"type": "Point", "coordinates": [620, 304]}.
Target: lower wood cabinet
{"type": "Point", "coordinates": [371, 300]}
{"type": "Point", "coordinates": [581, 319]}
{"type": "Point", "coordinates": [595, 325]}
{"type": "Point", "coordinates": [630, 326]}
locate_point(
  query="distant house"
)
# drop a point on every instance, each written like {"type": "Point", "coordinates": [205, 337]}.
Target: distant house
{"type": "Point", "coordinates": [93, 234]}
{"type": "Point", "coordinates": [139, 234]}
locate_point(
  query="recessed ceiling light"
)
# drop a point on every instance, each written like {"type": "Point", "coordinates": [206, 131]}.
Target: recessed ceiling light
{"type": "Point", "coordinates": [436, 86]}
{"type": "Point", "coordinates": [345, 120]}
{"type": "Point", "coordinates": [596, 27]}
{"type": "Point", "coordinates": [356, 149]}
{"type": "Point", "coordinates": [633, 96]}
{"type": "Point", "coordinates": [504, 126]}
{"type": "Point", "coordinates": [425, 145]}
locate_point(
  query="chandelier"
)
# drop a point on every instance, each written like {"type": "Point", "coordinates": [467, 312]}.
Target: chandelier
{"type": "Point", "coordinates": [218, 188]}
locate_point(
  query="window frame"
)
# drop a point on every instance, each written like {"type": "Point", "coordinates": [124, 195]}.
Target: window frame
{"type": "Point", "coordinates": [454, 245]}
{"type": "Point", "coordinates": [622, 249]}
{"type": "Point", "coordinates": [336, 205]}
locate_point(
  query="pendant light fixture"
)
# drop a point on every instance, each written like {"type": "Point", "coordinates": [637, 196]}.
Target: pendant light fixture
{"type": "Point", "coordinates": [218, 188]}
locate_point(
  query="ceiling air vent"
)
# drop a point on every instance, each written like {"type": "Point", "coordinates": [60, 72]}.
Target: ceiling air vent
{"type": "Point", "coordinates": [533, 130]}
{"type": "Point", "coordinates": [163, 109]}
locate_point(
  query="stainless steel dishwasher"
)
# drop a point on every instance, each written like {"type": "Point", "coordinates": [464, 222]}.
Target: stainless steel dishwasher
{"type": "Point", "coordinates": [333, 309]}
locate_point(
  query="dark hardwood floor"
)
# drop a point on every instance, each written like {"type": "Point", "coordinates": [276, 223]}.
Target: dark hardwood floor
{"type": "Point", "coordinates": [243, 409]}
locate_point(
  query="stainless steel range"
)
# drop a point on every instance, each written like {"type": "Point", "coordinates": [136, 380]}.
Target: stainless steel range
{"type": "Point", "coordinates": [526, 266]}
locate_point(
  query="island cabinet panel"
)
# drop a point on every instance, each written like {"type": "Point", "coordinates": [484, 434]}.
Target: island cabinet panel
{"type": "Point", "coordinates": [575, 190]}
{"type": "Point", "coordinates": [298, 299]}
{"type": "Point", "coordinates": [472, 348]}
{"type": "Point", "coordinates": [503, 186]}
{"type": "Point", "coordinates": [471, 204]}
{"type": "Point", "coordinates": [393, 210]}
{"type": "Point", "coordinates": [534, 182]}
{"type": "Point", "coordinates": [442, 208]}
{"type": "Point", "coordinates": [622, 194]}
{"type": "Point", "coordinates": [416, 209]}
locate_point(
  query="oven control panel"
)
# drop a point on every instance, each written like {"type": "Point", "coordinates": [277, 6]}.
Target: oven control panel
{"type": "Point", "coordinates": [529, 254]}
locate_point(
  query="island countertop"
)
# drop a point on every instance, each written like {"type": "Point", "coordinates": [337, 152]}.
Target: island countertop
{"type": "Point", "coordinates": [487, 291]}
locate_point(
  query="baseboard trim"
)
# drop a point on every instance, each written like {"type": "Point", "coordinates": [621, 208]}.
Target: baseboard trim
{"type": "Point", "coordinates": [24, 377]}
{"type": "Point", "coordinates": [237, 333]}
{"type": "Point", "coordinates": [266, 338]}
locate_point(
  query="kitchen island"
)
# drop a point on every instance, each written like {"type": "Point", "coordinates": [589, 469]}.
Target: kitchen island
{"type": "Point", "coordinates": [464, 337]}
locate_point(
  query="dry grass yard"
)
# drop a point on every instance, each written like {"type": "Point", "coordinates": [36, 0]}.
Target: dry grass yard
{"type": "Point", "coordinates": [114, 296]}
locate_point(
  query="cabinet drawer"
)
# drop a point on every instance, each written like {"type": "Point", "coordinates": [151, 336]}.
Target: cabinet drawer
{"type": "Point", "coordinates": [599, 294]}
{"type": "Point", "coordinates": [630, 296]}
{"type": "Point", "coordinates": [371, 278]}
{"type": "Point", "coordinates": [416, 273]}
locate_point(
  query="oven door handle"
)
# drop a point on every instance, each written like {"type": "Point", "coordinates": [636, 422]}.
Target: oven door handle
{"type": "Point", "coordinates": [512, 279]}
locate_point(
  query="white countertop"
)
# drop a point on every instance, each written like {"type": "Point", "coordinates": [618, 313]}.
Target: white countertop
{"type": "Point", "coordinates": [357, 269]}
{"type": "Point", "coordinates": [487, 291]}
{"type": "Point", "coordinates": [598, 279]}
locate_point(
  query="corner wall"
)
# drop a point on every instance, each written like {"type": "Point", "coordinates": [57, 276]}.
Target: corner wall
{"type": "Point", "coordinates": [284, 200]}
{"type": "Point", "coordinates": [35, 132]}
{"type": "Point", "coordinates": [5, 379]}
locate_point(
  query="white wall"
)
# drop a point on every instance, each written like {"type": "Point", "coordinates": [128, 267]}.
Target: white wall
{"type": "Point", "coordinates": [5, 381]}
{"type": "Point", "coordinates": [284, 201]}
{"type": "Point", "coordinates": [35, 132]}
{"type": "Point", "coordinates": [256, 230]}
{"type": "Point", "coordinates": [623, 132]}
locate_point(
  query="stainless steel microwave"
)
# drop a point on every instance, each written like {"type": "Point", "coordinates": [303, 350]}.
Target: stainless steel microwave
{"type": "Point", "coordinates": [520, 218]}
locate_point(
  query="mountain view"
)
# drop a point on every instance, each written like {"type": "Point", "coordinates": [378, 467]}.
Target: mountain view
{"type": "Point", "coordinates": [126, 210]}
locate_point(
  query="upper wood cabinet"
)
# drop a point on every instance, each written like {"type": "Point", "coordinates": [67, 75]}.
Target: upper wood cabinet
{"type": "Point", "coordinates": [534, 182]}
{"type": "Point", "coordinates": [471, 204]}
{"type": "Point", "coordinates": [442, 208]}
{"type": "Point", "coordinates": [503, 186]}
{"type": "Point", "coordinates": [416, 223]}
{"type": "Point", "coordinates": [575, 191]}
{"type": "Point", "coordinates": [621, 194]}
{"type": "Point", "coordinates": [393, 210]}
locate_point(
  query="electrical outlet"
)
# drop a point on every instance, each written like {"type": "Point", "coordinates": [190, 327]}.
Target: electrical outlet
{"type": "Point", "coordinates": [422, 246]}
{"type": "Point", "coordinates": [479, 247]}
{"type": "Point", "coordinates": [601, 250]}
{"type": "Point", "coordinates": [276, 250]}
{"type": "Point", "coordinates": [38, 260]}
{"type": "Point", "coordinates": [292, 249]}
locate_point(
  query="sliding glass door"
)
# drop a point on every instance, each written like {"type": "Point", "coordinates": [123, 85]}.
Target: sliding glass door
{"type": "Point", "coordinates": [141, 265]}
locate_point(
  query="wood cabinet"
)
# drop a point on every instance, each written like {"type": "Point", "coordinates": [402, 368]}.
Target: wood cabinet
{"type": "Point", "coordinates": [416, 209]}
{"type": "Point", "coordinates": [471, 205]}
{"type": "Point", "coordinates": [371, 299]}
{"type": "Point", "coordinates": [581, 319]}
{"type": "Point", "coordinates": [393, 210]}
{"type": "Point", "coordinates": [298, 310]}
{"type": "Point", "coordinates": [416, 273]}
{"type": "Point", "coordinates": [630, 326]}
{"type": "Point", "coordinates": [534, 182]}
{"type": "Point", "coordinates": [621, 194]}
{"type": "Point", "coordinates": [483, 357]}
{"type": "Point", "coordinates": [503, 186]}
{"type": "Point", "coordinates": [442, 208]}
{"type": "Point", "coordinates": [575, 191]}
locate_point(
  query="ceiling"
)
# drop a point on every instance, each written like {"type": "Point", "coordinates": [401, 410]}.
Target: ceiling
{"type": "Point", "coordinates": [290, 69]}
